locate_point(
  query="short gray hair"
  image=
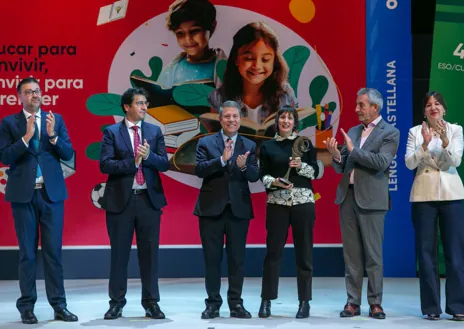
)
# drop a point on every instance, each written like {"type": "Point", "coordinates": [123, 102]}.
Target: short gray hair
{"type": "Point", "coordinates": [230, 104]}
{"type": "Point", "coordinates": [374, 96]}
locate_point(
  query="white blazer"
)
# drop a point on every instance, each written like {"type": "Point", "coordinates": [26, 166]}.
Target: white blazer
{"type": "Point", "coordinates": [436, 178]}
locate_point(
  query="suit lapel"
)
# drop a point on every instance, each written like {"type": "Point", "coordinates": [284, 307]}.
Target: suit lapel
{"type": "Point", "coordinates": [357, 139]}
{"type": "Point", "coordinates": [144, 130]}
{"type": "Point", "coordinates": [43, 129]}
{"type": "Point", "coordinates": [220, 143]}
{"type": "Point", "coordinates": [125, 135]}
{"type": "Point", "coordinates": [21, 123]}
{"type": "Point", "coordinates": [22, 126]}
{"type": "Point", "coordinates": [238, 149]}
{"type": "Point", "coordinates": [374, 133]}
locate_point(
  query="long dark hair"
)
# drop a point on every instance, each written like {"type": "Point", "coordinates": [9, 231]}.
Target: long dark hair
{"type": "Point", "coordinates": [272, 89]}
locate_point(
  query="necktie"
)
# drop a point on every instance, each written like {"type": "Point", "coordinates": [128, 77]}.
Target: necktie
{"type": "Point", "coordinates": [229, 163]}
{"type": "Point", "coordinates": [35, 144]}
{"type": "Point", "coordinates": [139, 175]}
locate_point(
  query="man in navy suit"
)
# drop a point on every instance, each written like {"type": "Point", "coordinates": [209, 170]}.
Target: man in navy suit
{"type": "Point", "coordinates": [32, 142]}
{"type": "Point", "coordinates": [132, 154]}
{"type": "Point", "coordinates": [226, 162]}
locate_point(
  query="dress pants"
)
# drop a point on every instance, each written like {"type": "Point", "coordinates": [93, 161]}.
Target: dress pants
{"type": "Point", "coordinates": [43, 214]}
{"type": "Point", "coordinates": [141, 216]}
{"type": "Point", "coordinates": [362, 236]}
{"type": "Point", "coordinates": [449, 217]}
{"type": "Point", "coordinates": [212, 232]}
{"type": "Point", "coordinates": [278, 219]}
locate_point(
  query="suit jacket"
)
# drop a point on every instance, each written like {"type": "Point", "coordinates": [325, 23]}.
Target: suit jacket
{"type": "Point", "coordinates": [371, 164]}
{"type": "Point", "coordinates": [117, 159]}
{"type": "Point", "coordinates": [437, 178]}
{"type": "Point", "coordinates": [223, 184]}
{"type": "Point", "coordinates": [23, 160]}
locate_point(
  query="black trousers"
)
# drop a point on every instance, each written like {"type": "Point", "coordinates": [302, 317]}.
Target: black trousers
{"type": "Point", "coordinates": [141, 216]}
{"type": "Point", "coordinates": [29, 217]}
{"type": "Point", "coordinates": [449, 216]}
{"type": "Point", "coordinates": [212, 232]}
{"type": "Point", "coordinates": [278, 219]}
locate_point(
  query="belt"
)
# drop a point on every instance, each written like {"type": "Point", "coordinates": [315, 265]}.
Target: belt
{"type": "Point", "coordinates": [139, 191]}
{"type": "Point", "coordinates": [38, 186]}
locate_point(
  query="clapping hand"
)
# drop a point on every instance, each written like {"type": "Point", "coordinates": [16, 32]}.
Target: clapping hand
{"type": "Point", "coordinates": [142, 152]}
{"type": "Point", "coordinates": [332, 147]}
{"type": "Point", "coordinates": [442, 133]}
{"type": "Point", "coordinates": [241, 159]}
{"type": "Point", "coordinates": [348, 141]}
{"type": "Point", "coordinates": [50, 124]}
{"type": "Point", "coordinates": [426, 135]}
{"type": "Point", "coordinates": [227, 154]}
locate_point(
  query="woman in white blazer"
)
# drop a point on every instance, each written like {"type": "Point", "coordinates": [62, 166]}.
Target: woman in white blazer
{"type": "Point", "coordinates": [434, 150]}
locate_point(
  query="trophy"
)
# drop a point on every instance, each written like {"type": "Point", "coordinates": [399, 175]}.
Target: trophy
{"type": "Point", "coordinates": [301, 145]}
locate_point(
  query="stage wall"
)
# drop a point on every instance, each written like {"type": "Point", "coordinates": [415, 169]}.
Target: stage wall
{"type": "Point", "coordinates": [85, 53]}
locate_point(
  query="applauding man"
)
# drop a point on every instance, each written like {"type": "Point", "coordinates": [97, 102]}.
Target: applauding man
{"type": "Point", "coordinates": [226, 162]}
{"type": "Point", "coordinates": [133, 154]}
{"type": "Point", "coordinates": [32, 142]}
{"type": "Point", "coordinates": [363, 197]}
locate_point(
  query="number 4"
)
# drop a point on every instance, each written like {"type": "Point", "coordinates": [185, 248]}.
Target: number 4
{"type": "Point", "coordinates": [459, 52]}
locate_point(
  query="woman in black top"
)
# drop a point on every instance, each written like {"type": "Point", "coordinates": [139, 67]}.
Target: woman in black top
{"type": "Point", "coordinates": [290, 203]}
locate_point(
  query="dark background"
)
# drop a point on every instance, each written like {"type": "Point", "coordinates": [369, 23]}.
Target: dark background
{"type": "Point", "coordinates": [422, 23]}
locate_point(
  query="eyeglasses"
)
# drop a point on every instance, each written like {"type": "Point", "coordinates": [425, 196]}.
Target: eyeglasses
{"type": "Point", "coordinates": [29, 92]}
{"type": "Point", "coordinates": [142, 103]}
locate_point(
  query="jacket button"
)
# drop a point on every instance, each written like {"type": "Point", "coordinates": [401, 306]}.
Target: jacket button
{"type": "Point", "coordinates": [426, 171]}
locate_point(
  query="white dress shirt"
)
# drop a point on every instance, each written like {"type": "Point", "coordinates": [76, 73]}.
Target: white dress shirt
{"type": "Point", "coordinates": [38, 180]}
{"type": "Point", "coordinates": [129, 126]}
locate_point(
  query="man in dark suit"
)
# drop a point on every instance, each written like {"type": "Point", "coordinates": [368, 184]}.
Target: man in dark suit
{"type": "Point", "coordinates": [364, 199]}
{"type": "Point", "coordinates": [32, 142]}
{"type": "Point", "coordinates": [226, 162]}
{"type": "Point", "coordinates": [133, 200]}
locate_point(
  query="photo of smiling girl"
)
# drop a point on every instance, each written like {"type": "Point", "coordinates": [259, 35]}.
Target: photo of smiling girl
{"type": "Point", "coordinates": [193, 22]}
{"type": "Point", "coordinates": [256, 74]}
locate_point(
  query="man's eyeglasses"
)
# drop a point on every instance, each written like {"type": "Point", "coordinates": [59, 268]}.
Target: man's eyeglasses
{"type": "Point", "coordinates": [29, 92]}
{"type": "Point", "coordinates": [141, 103]}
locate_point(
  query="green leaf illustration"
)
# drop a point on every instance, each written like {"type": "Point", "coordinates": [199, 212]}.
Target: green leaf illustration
{"type": "Point", "coordinates": [317, 89]}
{"type": "Point", "coordinates": [296, 58]}
{"type": "Point", "coordinates": [156, 65]}
{"type": "Point", "coordinates": [332, 106]}
{"type": "Point", "coordinates": [192, 94]}
{"type": "Point", "coordinates": [221, 68]}
{"type": "Point", "coordinates": [93, 151]}
{"type": "Point", "coordinates": [105, 104]}
{"type": "Point", "coordinates": [309, 121]}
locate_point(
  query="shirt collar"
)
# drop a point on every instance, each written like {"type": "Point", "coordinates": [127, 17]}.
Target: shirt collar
{"type": "Point", "coordinates": [27, 114]}
{"type": "Point", "coordinates": [373, 123]}
{"type": "Point", "coordinates": [130, 124]}
{"type": "Point", "coordinates": [225, 137]}
{"type": "Point", "coordinates": [279, 138]}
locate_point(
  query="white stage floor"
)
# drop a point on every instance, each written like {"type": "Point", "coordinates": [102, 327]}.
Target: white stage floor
{"type": "Point", "coordinates": [182, 300]}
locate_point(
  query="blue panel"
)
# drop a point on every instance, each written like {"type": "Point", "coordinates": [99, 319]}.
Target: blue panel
{"type": "Point", "coordinates": [389, 69]}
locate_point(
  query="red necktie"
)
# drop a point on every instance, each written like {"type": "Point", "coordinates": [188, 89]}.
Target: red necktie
{"type": "Point", "coordinates": [139, 175]}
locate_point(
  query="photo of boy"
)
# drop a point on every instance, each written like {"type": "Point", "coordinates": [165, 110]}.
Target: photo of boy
{"type": "Point", "coordinates": [193, 22]}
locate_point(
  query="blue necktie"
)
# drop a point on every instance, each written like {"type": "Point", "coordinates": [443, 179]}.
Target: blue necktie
{"type": "Point", "coordinates": [35, 144]}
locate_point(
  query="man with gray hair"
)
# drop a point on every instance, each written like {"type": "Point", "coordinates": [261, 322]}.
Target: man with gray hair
{"type": "Point", "coordinates": [364, 199]}
{"type": "Point", "coordinates": [227, 162]}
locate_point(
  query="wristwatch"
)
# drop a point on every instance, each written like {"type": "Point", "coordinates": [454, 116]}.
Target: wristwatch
{"type": "Point", "coordinates": [53, 136]}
